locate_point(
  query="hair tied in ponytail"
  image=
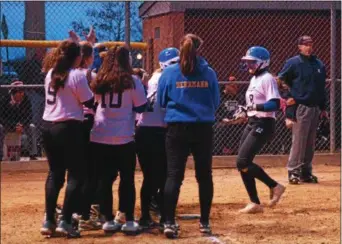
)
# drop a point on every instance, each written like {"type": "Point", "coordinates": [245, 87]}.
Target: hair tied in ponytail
{"type": "Point", "coordinates": [197, 42]}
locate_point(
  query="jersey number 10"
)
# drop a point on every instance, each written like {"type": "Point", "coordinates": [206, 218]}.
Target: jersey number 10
{"type": "Point", "coordinates": [111, 97]}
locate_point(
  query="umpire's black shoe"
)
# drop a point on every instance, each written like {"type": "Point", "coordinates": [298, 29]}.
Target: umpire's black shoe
{"type": "Point", "coordinates": [309, 179]}
{"type": "Point", "coordinates": [33, 157]}
{"type": "Point", "coordinates": [294, 178]}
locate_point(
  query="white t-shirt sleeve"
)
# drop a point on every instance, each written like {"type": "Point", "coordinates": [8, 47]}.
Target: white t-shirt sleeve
{"type": "Point", "coordinates": [138, 94]}
{"type": "Point", "coordinates": [271, 89]}
{"type": "Point", "coordinates": [83, 91]}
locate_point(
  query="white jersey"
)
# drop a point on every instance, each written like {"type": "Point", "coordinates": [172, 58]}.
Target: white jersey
{"type": "Point", "coordinates": [93, 77]}
{"type": "Point", "coordinates": [262, 89]}
{"type": "Point", "coordinates": [114, 118]}
{"type": "Point", "coordinates": [154, 116]}
{"type": "Point", "coordinates": [66, 103]}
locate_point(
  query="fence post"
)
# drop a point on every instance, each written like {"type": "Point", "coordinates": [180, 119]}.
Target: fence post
{"type": "Point", "coordinates": [332, 75]}
{"type": "Point", "coordinates": [127, 24]}
{"type": "Point", "coordinates": [150, 56]}
{"type": "Point", "coordinates": [34, 27]}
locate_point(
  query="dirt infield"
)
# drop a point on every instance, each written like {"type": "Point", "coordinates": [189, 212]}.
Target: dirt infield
{"type": "Point", "coordinates": [307, 213]}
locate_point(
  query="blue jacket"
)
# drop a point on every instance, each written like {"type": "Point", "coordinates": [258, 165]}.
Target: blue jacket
{"type": "Point", "coordinates": [192, 98]}
{"type": "Point", "coordinates": [306, 79]}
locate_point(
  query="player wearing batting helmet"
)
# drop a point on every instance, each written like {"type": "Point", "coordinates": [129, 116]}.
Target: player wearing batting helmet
{"type": "Point", "coordinates": [262, 99]}
{"type": "Point", "coordinates": [150, 140]}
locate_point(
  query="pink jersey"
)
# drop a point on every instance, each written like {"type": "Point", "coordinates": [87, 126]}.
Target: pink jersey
{"type": "Point", "coordinates": [66, 103]}
{"type": "Point", "coordinates": [115, 118]}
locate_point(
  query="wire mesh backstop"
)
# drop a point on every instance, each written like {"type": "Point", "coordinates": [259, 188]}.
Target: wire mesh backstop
{"type": "Point", "coordinates": [227, 28]}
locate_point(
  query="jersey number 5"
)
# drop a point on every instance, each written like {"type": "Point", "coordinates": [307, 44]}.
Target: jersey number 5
{"type": "Point", "coordinates": [111, 97]}
{"type": "Point", "coordinates": [52, 93]}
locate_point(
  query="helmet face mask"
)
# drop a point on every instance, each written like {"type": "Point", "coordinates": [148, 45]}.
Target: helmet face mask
{"type": "Point", "coordinates": [251, 65]}
{"type": "Point", "coordinates": [256, 58]}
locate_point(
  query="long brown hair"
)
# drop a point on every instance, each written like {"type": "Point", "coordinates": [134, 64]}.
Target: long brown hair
{"type": "Point", "coordinates": [68, 52]}
{"type": "Point", "coordinates": [115, 73]}
{"type": "Point", "coordinates": [50, 59]}
{"type": "Point", "coordinates": [188, 52]}
{"type": "Point", "coordinates": [87, 52]}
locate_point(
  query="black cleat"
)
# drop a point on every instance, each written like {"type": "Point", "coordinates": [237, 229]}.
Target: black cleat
{"type": "Point", "coordinates": [205, 228]}
{"type": "Point", "coordinates": [67, 230]}
{"type": "Point", "coordinates": [48, 228]}
{"type": "Point", "coordinates": [146, 224]}
{"type": "Point", "coordinates": [170, 231]}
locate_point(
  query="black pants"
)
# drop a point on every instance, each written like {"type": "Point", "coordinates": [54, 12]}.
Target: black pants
{"type": "Point", "coordinates": [150, 142]}
{"type": "Point", "coordinates": [90, 185]}
{"type": "Point", "coordinates": [112, 159]}
{"type": "Point", "coordinates": [181, 139]}
{"type": "Point", "coordinates": [64, 146]}
{"type": "Point", "coordinates": [257, 132]}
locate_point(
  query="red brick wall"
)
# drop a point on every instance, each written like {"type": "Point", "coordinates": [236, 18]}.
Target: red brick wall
{"type": "Point", "coordinates": [171, 30]}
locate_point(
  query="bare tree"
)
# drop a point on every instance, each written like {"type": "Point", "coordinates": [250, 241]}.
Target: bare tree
{"type": "Point", "coordinates": [109, 22]}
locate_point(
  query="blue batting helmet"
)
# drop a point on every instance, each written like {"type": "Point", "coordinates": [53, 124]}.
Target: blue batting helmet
{"type": "Point", "coordinates": [168, 56]}
{"type": "Point", "coordinates": [259, 55]}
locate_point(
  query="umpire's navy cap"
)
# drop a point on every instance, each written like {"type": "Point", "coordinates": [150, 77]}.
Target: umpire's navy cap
{"type": "Point", "coordinates": [304, 40]}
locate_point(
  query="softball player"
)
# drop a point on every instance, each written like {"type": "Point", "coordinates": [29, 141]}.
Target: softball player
{"type": "Point", "coordinates": [119, 95]}
{"type": "Point", "coordinates": [120, 216]}
{"type": "Point", "coordinates": [144, 77]}
{"type": "Point", "coordinates": [150, 141]}
{"type": "Point", "coordinates": [263, 100]}
{"type": "Point", "coordinates": [66, 90]}
{"type": "Point", "coordinates": [89, 188]}
{"type": "Point", "coordinates": [190, 93]}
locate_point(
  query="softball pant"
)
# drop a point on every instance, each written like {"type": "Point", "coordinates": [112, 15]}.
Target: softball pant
{"type": "Point", "coordinates": [111, 160]}
{"type": "Point", "coordinates": [182, 139]}
{"type": "Point", "coordinates": [257, 132]}
{"type": "Point", "coordinates": [64, 146]}
{"type": "Point", "coordinates": [150, 143]}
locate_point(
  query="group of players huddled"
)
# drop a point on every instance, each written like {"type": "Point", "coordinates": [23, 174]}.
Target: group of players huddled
{"type": "Point", "coordinates": [95, 123]}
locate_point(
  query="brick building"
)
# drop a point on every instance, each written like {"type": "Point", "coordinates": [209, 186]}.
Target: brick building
{"type": "Point", "coordinates": [230, 28]}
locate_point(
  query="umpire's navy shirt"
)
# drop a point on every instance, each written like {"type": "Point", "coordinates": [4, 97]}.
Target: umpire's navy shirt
{"type": "Point", "coordinates": [306, 78]}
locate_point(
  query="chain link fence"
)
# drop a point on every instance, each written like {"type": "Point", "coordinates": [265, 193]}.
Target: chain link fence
{"type": "Point", "coordinates": [227, 28]}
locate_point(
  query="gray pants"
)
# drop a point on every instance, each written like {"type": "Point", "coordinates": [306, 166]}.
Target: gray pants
{"type": "Point", "coordinates": [31, 133]}
{"type": "Point", "coordinates": [303, 139]}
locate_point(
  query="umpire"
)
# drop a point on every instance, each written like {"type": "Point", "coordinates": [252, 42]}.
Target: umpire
{"type": "Point", "coordinates": [189, 92]}
{"type": "Point", "coordinates": [305, 75]}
